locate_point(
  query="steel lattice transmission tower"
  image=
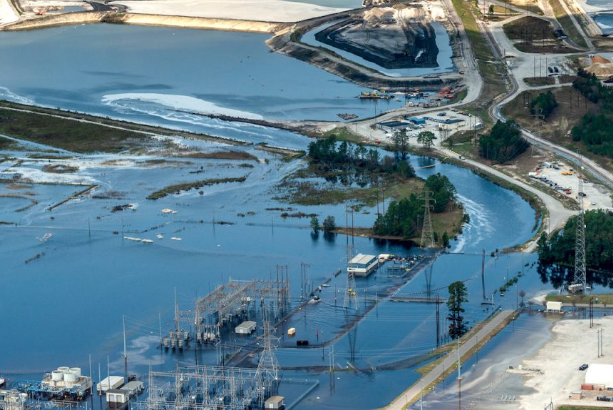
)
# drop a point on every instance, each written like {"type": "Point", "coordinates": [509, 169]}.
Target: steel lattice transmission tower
{"type": "Point", "coordinates": [267, 374]}
{"type": "Point", "coordinates": [579, 282]}
{"type": "Point", "coordinates": [427, 234]}
{"type": "Point", "coordinates": [351, 294]}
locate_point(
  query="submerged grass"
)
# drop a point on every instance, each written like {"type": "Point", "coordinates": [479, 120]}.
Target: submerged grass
{"type": "Point", "coordinates": [186, 186]}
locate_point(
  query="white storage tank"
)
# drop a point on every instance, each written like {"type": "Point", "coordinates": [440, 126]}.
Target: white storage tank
{"type": "Point", "coordinates": [70, 377]}
{"type": "Point", "coordinates": [57, 375]}
{"type": "Point", "coordinates": [63, 369]}
{"type": "Point", "coordinates": [76, 371]}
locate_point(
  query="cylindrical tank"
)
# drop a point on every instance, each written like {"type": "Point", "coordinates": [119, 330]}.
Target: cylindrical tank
{"type": "Point", "coordinates": [70, 377]}
{"type": "Point", "coordinates": [76, 370]}
{"type": "Point", "coordinates": [63, 369]}
{"type": "Point", "coordinates": [57, 375]}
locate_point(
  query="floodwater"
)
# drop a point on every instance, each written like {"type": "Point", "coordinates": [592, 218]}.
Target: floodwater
{"type": "Point", "coordinates": [69, 276]}
{"type": "Point", "coordinates": [444, 61]}
{"type": "Point", "coordinates": [162, 74]}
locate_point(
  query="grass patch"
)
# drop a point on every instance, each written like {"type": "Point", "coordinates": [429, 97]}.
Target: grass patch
{"type": "Point", "coordinates": [567, 24]}
{"type": "Point", "coordinates": [491, 72]}
{"type": "Point", "coordinates": [343, 133]}
{"type": "Point", "coordinates": [538, 81]}
{"type": "Point", "coordinates": [186, 186]}
{"type": "Point", "coordinates": [227, 155]}
{"type": "Point", "coordinates": [603, 298]}
{"type": "Point", "coordinates": [83, 133]}
{"type": "Point", "coordinates": [531, 7]}
{"type": "Point", "coordinates": [69, 135]}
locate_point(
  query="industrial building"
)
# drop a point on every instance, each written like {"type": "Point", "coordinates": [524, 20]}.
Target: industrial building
{"type": "Point", "coordinates": [362, 265]}
{"type": "Point", "coordinates": [600, 375]}
{"type": "Point", "coordinates": [64, 383]}
{"type": "Point", "coordinates": [246, 328]}
{"type": "Point", "coordinates": [391, 126]}
{"type": "Point", "coordinates": [110, 383]}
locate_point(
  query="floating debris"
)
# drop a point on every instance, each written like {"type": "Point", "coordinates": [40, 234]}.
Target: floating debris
{"type": "Point", "coordinates": [160, 236]}
{"type": "Point", "coordinates": [174, 238]}
{"type": "Point", "coordinates": [45, 237]}
{"type": "Point", "coordinates": [168, 211]}
{"type": "Point", "coordinates": [147, 241]}
{"type": "Point", "coordinates": [347, 116]}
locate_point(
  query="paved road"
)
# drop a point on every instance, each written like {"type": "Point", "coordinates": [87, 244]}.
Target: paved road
{"type": "Point", "coordinates": [450, 360]}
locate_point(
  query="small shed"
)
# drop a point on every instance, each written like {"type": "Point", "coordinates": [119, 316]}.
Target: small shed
{"type": "Point", "coordinates": [554, 307]}
{"type": "Point", "coordinates": [110, 383]}
{"type": "Point", "coordinates": [275, 402]}
{"type": "Point", "coordinates": [575, 395]}
{"type": "Point", "coordinates": [116, 397]}
{"type": "Point", "coordinates": [133, 388]}
{"type": "Point", "coordinates": [245, 328]}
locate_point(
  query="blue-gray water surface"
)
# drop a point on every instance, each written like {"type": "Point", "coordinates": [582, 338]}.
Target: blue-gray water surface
{"type": "Point", "coordinates": [63, 297]}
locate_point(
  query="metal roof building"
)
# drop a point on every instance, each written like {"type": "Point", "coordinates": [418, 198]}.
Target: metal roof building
{"type": "Point", "coordinates": [600, 374]}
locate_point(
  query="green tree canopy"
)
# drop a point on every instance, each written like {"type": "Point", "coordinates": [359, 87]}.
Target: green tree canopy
{"type": "Point", "coordinates": [503, 143]}
{"type": "Point", "coordinates": [458, 294]}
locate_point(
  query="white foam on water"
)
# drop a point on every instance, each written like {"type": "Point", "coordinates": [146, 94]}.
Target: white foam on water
{"type": "Point", "coordinates": [6, 94]}
{"type": "Point", "coordinates": [479, 227]}
{"type": "Point", "coordinates": [175, 102]}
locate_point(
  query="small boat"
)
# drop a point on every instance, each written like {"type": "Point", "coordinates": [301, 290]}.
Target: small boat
{"type": "Point", "coordinates": [146, 241]}
{"type": "Point", "coordinates": [168, 211]}
{"type": "Point", "coordinates": [131, 238]}
{"type": "Point", "coordinates": [174, 238]}
{"type": "Point", "coordinates": [325, 285]}
{"type": "Point", "coordinates": [160, 236]}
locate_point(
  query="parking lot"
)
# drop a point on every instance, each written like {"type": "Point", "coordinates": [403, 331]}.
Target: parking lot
{"type": "Point", "coordinates": [564, 178]}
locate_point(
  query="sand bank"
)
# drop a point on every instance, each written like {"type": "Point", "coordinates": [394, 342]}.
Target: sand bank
{"type": "Point", "coordinates": [7, 12]}
{"type": "Point", "coordinates": [264, 10]}
{"type": "Point", "coordinates": [573, 343]}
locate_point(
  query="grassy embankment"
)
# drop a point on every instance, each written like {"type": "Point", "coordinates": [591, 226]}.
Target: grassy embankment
{"type": "Point", "coordinates": [82, 133]}
{"type": "Point", "coordinates": [186, 186]}
{"type": "Point", "coordinates": [491, 71]}
{"type": "Point", "coordinates": [450, 349]}
{"type": "Point", "coordinates": [567, 24]}
{"type": "Point", "coordinates": [603, 299]}
{"type": "Point", "coordinates": [531, 7]}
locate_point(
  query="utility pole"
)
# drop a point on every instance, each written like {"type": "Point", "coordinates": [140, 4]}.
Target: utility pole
{"type": "Point", "coordinates": [483, 274]}
{"type": "Point", "coordinates": [125, 348]}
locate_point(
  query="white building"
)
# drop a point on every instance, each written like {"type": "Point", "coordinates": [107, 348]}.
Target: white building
{"type": "Point", "coordinates": [600, 375]}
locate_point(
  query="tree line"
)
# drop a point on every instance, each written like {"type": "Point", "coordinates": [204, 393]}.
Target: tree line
{"type": "Point", "coordinates": [557, 254]}
{"type": "Point", "coordinates": [594, 128]}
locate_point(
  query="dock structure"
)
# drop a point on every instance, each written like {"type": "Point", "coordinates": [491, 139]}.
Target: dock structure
{"type": "Point", "coordinates": [207, 387]}
{"type": "Point", "coordinates": [236, 300]}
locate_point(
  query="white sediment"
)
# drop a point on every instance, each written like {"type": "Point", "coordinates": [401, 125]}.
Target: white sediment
{"type": "Point", "coordinates": [258, 10]}
{"type": "Point", "coordinates": [7, 13]}
{"type": "Point", "coordinates": [175, 102]}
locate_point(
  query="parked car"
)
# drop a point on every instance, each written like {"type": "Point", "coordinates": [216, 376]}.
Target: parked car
{"type": "Point", "coordinates": [583, 367]}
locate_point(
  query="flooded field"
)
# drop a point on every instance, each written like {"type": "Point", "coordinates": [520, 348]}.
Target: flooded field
{"type": "Point", "coordinates": [71, 272]}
